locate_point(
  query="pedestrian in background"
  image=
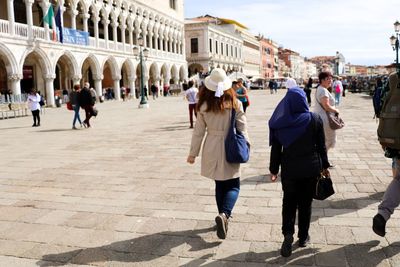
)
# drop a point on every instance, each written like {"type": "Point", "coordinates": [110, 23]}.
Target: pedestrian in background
{"type": "Point", "coordinates": [337, 88]}
{"type": "Point", "coordinates": [241, 94]}
{"type": "Point", "coordinates": [191, 97]}
{"type": "Point", "coordinates": [74, 99]}
{"type": "Point", "coordinates": [34, 105]}
{"type": "Point", "coordinates": [86, 102]}
{"type": "Point", "coordinates": [298, 147]}
{"type": "Point", "coordinates": [214, 118]}
{"type": "Point", "coordinates": [307, 89]}
{"type": "Point", "coordinates": [93, 94]}
{"type": "Point", "coordinates": [326, 103]}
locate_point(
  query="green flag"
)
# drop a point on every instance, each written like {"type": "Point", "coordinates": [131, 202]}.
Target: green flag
{"type": "Point", "coordinates": [49, 17]}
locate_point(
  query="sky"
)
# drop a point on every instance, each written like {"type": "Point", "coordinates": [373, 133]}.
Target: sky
{"type": "Point", "coordinates": [359, 29]}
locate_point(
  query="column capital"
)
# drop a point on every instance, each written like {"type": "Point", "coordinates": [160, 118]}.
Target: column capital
{"type": "Point", "coordinates": [114, 24]}
{"type": "Point", "coordinates": [133, 77]}
{"type": "Point", "coordinates": [105, 21]}
{"type": "Point", "coordinates": [117, 78]}
{"type": "Point", "coordinates": [98, 77]}
{"type": "Point", "coordinates": [29, 2]}
{"type": "Point", "coordinates": [15, 77]}
{"type": "Point", "coordinates": [85, 16]}
{"type": "Point", "coordinates": [73, 12]}
{"type": "Point", "coordinates": [48, 77]}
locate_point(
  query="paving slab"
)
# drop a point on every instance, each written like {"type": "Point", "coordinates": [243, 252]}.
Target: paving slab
{"type": "Point", "coordinates": [122, 194]}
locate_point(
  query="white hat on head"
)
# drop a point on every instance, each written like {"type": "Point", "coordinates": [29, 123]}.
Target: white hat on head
{"type": "Point", "coordinates": [218, 82]}
{"type": "Point", "coordinates": [290, 83]}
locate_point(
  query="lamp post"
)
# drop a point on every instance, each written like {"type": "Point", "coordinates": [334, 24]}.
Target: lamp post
{"type": "Point", "coordinates": [142, 55]}
{"type": "Point", "coordinates": [394, 41]}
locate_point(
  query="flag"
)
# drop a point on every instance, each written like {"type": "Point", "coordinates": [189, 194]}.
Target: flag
{"type": "Point", "coordinates": [58, 24]}
{"type": "Point", "coordinates": [49, 19]}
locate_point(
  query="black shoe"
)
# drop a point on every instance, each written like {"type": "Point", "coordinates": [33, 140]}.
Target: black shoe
{"type": "Point", "coordinates": [331, 166]}
{"type": "Point", "coordinates": [304, 242]}
{"type": "Point", "coordinates": [221, 222]}
{"type": "Point", "coordinates": [286, 249]}
{"type": "Point", "coordinates": [379, 225]}
{"type": "Point", "coordinates": [34, 125]}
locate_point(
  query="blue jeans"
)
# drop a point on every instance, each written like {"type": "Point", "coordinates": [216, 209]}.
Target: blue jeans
{"type": "Point", "coordinates": [337, 99]}
{"type": "Point", "coordinates": [226, 194]}
{"type": "Point", "coordinates": [76, 115]}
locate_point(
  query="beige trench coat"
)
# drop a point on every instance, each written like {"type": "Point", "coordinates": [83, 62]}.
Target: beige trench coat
{"type": "Point", "coordinates": [215, 126]}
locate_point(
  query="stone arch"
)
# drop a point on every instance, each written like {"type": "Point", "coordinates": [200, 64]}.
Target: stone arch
{"type": "Point", "coordinates": [90, 69]}
{"type": "Point", "coordinates": [36, 62]}
{"type": "Point", "coordinates": [66, 71]}
{"type": "Point", "coordinates": [195, 68]}
{"type": "Point", "coordinates": [127, 73]}
{"type": "Point", "coordinates": [174, 75]}
{"type": "Point", "coordinates": [183, 76]}
{"type": "Point", "coordinates": [8, 70]}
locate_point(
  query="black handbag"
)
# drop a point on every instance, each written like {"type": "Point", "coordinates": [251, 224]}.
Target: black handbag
{"type": "Point", "coordinates": [323, 187]}
{"type": "Point", "coordinates": [236, 147]}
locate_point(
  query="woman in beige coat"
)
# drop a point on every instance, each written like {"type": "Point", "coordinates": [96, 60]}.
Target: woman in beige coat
{"type": "Point", "coordinates": [213, 117]}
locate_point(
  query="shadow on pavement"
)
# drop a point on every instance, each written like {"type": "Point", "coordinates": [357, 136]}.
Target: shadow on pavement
{"type": "Point", "coordinates": [173, 128]}
{"type": "Point", "coordinates": [55, 130]}
{"type": "Point", "coordinates": [141, 249]}
{"type": "Point", "coordinates": [363, 254]}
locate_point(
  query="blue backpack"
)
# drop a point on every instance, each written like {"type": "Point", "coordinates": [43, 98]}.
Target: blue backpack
{"type": "Point", "coordinates": [237, 149]}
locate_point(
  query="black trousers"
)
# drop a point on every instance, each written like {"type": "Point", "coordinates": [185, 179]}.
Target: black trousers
{"type": "Point", "coordinates": [297, 195]}
{"type": "Point", "coordinates": [36, 117]}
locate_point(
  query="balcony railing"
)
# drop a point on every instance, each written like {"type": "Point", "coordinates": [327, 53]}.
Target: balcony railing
{"type": "Point", "coordinates": [40, 33]}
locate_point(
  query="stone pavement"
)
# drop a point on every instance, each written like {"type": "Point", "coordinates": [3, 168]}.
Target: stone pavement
{"type": "Point", "coordinates": [122, 194]}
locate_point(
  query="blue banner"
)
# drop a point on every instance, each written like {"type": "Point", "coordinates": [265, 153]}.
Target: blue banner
{"type": "Point", "coordinates": [77, 37]}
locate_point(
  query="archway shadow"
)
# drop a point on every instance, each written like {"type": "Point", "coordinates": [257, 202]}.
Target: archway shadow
{"type": "Point", "coordinates": [362, 254]}
{"type": "Point", "coordinates": [55, 130]}
{"type": "Point", "coordinates": [141, 249]}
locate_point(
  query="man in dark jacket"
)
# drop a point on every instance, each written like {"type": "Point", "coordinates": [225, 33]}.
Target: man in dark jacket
{"type": "Point", "coordinates": [86, 102]}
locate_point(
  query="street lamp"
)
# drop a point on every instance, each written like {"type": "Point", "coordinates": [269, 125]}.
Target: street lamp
{"type": "Point", "coordinates": [394, 41]}
{"type": "Point", "coordinates": [142, 55]}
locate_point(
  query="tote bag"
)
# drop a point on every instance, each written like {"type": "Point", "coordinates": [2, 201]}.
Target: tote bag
{"type": "Point", "coordinates": [323, 188]}
{"type": "Point", "coordinates": [236, 147]}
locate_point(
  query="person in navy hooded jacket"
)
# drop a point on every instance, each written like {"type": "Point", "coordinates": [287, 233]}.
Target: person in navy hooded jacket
{"type": "Point", "coordinates": [298, 147]}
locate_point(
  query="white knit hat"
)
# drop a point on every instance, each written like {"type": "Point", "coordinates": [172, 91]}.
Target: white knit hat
{"type": "Point", "coordinates": [218, 82]}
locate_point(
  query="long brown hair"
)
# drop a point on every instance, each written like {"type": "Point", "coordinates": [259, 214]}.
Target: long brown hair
{"type": "Point", "coordinates": [217, 104]}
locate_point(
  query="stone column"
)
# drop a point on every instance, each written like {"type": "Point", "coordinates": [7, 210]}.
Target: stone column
{"type": "Point", "coordinates": [29, 17]}
{"type": "Point", "coordinates": [98, 87]}
{"type": "Point", "coordinates": [131, 37]}
{"type": "Point", "coordinates": [105, 30]}
{"type": "Point", "coordinates": [50, 89]}
{"type": "Point", "coordinates": [150, 36]}
{"type": "Point", "coordinates": [85, 22]}
{"type": "Point", "coordinates": [131, 82]}
{"type": "Point", "coordinates": [95, 20]}
{"type": "Point", "coordinates": [76, 79]}
{"type": "Point", "coordinates": [73, 14]}
{"type": "Point", "coordinates": [115, 35]}
{"type": "Point", "coordinates": [15, 85]}
{"type": "Point", "coordinates": [117, 90]}
{"type": "Point", "coordinates": [123, 28]}
{"type": "Point", "coordinates": [156, 41]}
{"type": "Point", "coordinates": [144, 35]}
{"type": "Point", "coordinates": [11, 18]}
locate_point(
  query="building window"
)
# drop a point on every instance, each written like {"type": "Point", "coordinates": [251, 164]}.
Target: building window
{"type": "Point", "coordinates": [216, 47]}
{"type": "Point", "coordinates": [194, 45]}
{"type": "Point", "coordinates": [227, 50]}
{"type": "Point", "coordinates": [210, 46]}
{"type": "Point", "coordinates": [231, 50]}
{"type": "Point", "coordinates": [236, 52]}
{"type": "Point", "coordinates": [172, 4]}
{"type": "Point", "coordinates": [222, 49]}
